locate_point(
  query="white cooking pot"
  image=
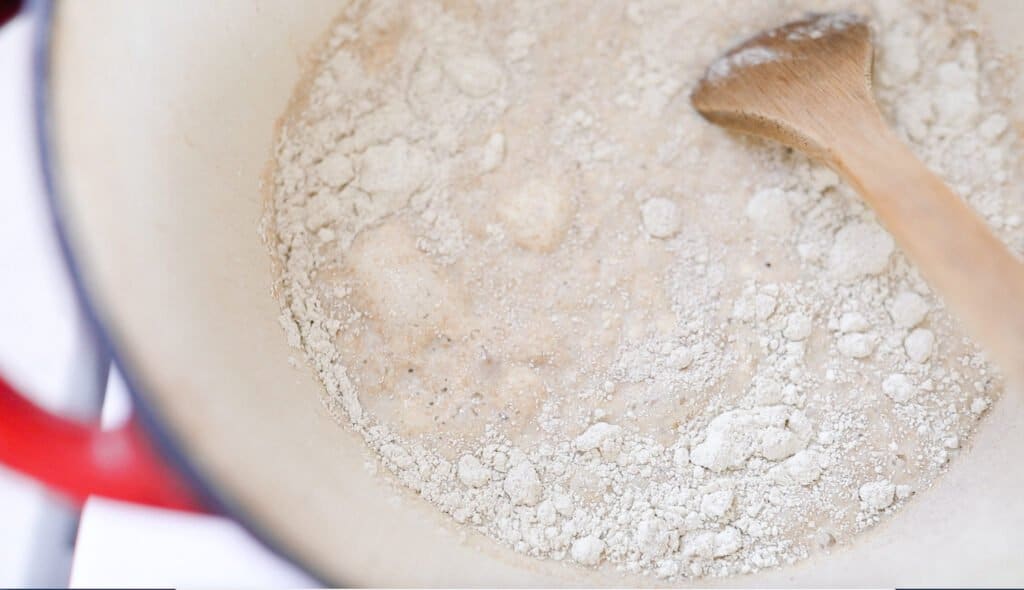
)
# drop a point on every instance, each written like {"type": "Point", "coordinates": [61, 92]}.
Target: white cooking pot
{"type": "Point", "coordinates": [157, 121]}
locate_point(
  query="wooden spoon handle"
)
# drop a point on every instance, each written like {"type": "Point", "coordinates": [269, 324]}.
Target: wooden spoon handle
{"type": "Point", "coordinates": [980, 279]}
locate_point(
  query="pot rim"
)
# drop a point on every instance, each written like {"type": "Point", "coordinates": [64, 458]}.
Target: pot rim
{"type": "Point", "coordinates": [41, 12]}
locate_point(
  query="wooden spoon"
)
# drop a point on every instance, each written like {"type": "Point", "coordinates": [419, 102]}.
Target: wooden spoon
{"type": "Point", "coordinates": [807, 84]}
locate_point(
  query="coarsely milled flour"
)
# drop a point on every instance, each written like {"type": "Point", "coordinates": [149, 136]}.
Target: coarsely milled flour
{"type": "Point", "coordinates": [574, 316]}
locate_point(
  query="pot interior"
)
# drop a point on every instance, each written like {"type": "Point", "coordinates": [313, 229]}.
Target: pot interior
{"type": "Point", "coordinates": [161, 120]}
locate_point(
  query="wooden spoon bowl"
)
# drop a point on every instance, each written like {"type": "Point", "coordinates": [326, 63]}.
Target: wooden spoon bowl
{"type": "Point", "coordinates": [807, 84]}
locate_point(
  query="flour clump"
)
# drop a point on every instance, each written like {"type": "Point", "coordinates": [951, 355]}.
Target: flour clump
{"type": "Point", "coordinates": [472, 472]}
{"type": "Point", "coordinates": [661, 217]}
{"type": "Point", "coordinates": [878, 495]}
{"type": "Point", "coordinates": [588, 550]}
{"type": "Point", "coordinates": [899, 387]}
{"type": "Point", "coordinates": [908, 309]}
{"type": "Point", "coordinates": [523, 485]}
{"type": "Point", "coordinates": [861, 249]}
{"type": "Point", "coordinates": [919, 345]}
{"type": "Point", "coordinates": [770, 211]}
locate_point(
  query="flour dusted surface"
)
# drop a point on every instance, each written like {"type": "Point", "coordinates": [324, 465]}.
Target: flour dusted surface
{"type": "Point", "coordinates": [574, 316]}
